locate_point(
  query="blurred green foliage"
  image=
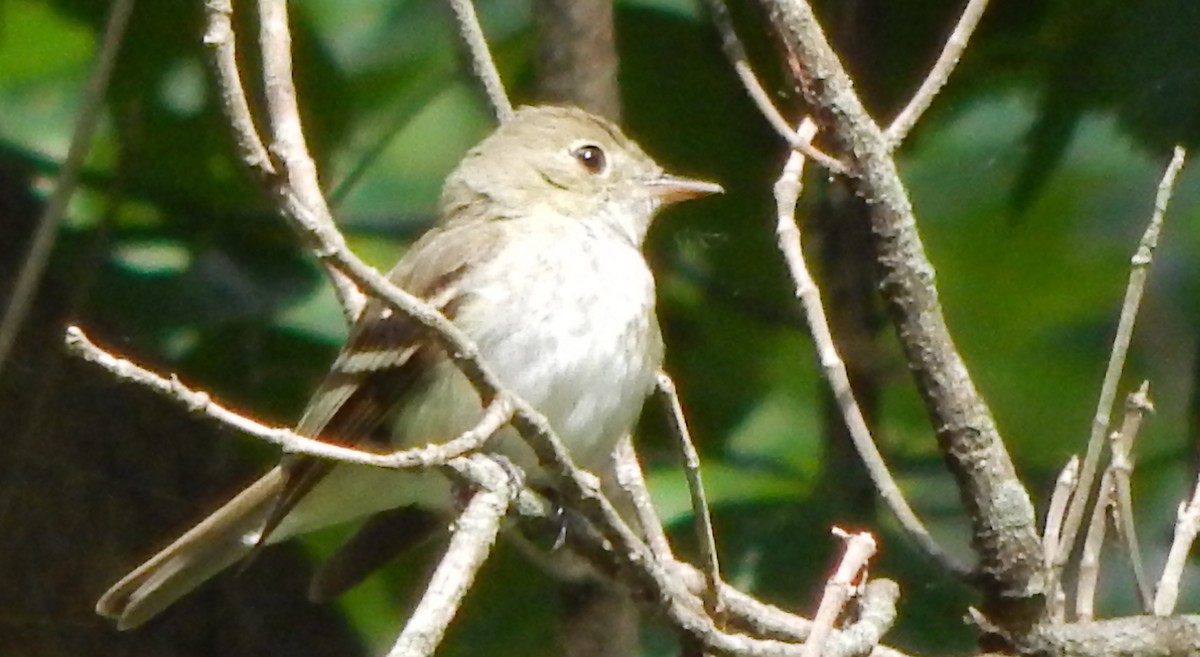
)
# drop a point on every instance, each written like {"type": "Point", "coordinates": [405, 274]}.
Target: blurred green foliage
{"type": "Point", "coordinates": [1032, 179]}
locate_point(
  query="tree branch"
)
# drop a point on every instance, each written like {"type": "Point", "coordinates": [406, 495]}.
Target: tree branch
{"type": "Point", "coordinates": [735, 52]}
{"type": "Point", "coordinates": [1004, 531]}
{"type": "Point", "coordinates": [577, 55]}
{"type": "Point", "coordinates": [787, 191]}
{"type": "Point", "coordinates": [1136, 406]}
{"type": "Point", "coordinates": [481, 57]}
{"type": "Point", "coordinates": [475, 532]}
{"type": "Point", "coordinates": [938, 75]}
{"type": "Point", "coordinates": [42, 244]}
{"type": "Point", "coordinates": [1140, 264]}
{"type": "Point", "coordinates": [839, 588]}
{"type": "Point", "coordinates": [702, 520]}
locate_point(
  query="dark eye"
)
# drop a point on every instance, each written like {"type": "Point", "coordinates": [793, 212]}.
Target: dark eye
{"type": "Point", "coordinates": [591, 157]}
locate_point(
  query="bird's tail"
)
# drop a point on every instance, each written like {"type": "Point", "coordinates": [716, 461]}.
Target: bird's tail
{"type": "Point", "coordinates": [217, 542]}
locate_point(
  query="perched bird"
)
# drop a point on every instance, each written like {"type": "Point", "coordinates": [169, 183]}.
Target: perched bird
{"type": "Point", "coordinates": [537, 258]}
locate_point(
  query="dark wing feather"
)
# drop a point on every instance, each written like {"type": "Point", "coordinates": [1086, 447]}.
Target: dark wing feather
{"type": "Point", "coordinates": [383, 358]}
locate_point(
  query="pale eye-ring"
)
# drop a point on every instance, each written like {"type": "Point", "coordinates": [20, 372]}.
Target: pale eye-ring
{"type": "Point", "coordinates": [591, 157]}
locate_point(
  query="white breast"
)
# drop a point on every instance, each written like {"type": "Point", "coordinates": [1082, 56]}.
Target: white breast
{"type": "Point", "coordinates": [568, 324]}
{"type": "Point", "coordinates": [565, 318]}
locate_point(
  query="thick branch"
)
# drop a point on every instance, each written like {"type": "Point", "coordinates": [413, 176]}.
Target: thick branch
{"type": "Point", "coordinates": [577, 55]}
{"type": "Point", "coordinates": [1134, 636]}
{"type": "Point", "coordinates": [1003, 526]}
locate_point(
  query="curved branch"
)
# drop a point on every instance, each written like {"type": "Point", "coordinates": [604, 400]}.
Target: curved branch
{"type": "Point", "coordinates": [938, 75]}
{"type": "Point", "coordinates": [481, 58]}
{"type": "Point", "coordinates": [787, 192]}
{"type": "Point", "coordinates": [735, 52]}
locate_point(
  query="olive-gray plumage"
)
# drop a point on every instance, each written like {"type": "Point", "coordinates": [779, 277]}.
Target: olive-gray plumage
{"type": "Point", "coordinates": [536, 257]}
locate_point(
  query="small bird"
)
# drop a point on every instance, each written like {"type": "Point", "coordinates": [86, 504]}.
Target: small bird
{"type": "Point", "coordinates": [537, 258]}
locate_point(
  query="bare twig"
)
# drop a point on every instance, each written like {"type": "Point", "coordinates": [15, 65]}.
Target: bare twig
{"type": "Point", "coordinates": [938, 75]}
{"type": "Point", "coordinates": [839, 588]}
{"type": "Point", "coordinates": [287, 145]}
{"type": "Point", "coordinates": [1064, 487]}
{"type": "Point", "coordinates": [702, 519]}
{"type": "Point", "coordinates": [218, 35]}
{"type": "Point", "coordinates": [46, 233]}
{"type": "Point", "coordinates": [1136, 406]}
{"type": "Point", "coordinates": [1139, 269]}
{"type": "Point", "coordinates": [195, 401]}
{"type": "Point", "coordinates": [787, 191]}
{"type": "Point", "coordinates": [876, 613]}
{"type": "Point", "coordinates": [474, 534]}
{"type": "Point", "coordinates": [735, 52]}
{"type": "Point", "coordinates": [294, 166]}
{"type": "Point", "coordinates": [1089, 561]}
{"type": "Point", "coordinates": [1187, 524]}
{"type": "Point", "coordinates": [632, 481]}
{"type": "Point", "coordinates": [481, 58]}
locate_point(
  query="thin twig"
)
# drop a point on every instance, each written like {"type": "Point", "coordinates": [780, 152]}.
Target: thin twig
{"type": "Point", "coordinates": [632, 481]}
{"type": "Point", "coordinates": [218, 35]}
{"type": "Point", "coordinates": [735, 52]}
{"type": "Point", "coordinates": [287, 146]}
{"type": "Point", "coordinates": [1139, 269]}
{"type": "Point", "coordinates": [787, 192]}
{"type": "Point", "coordinates": [1136, 406]}
{"type": "Point", "coordinates": [839, 588]}
{"type": "Point", "coordinates": [44, 237]}
{"type": "Point", "coordinates": [938, 75]}
{"type": "Point", "coordinates": [474, 534]}
{"type": "Point", "coordinates": [1187, 524]}
{"type": "Point", "coordinates": [1064, 487]}
{"type": "Point", "coordinates": [481, 57]}
{"type": "Point", "coordinates": [876, 614]}
{"type": "Point", "coordinates": [196, 401]}
{"type": "Point", "coordinates": [702, 515]}
{"type": "Point", "coordinates": [1089, 560]}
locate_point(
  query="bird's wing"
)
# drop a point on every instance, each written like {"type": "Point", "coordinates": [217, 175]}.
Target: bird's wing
{"type": "Point", "coordinates": [385, 355]}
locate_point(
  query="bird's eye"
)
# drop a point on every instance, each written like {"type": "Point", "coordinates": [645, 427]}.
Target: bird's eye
{"type": "Point", "coordinates": [591, 157]}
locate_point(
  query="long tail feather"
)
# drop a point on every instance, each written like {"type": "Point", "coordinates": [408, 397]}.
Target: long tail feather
{"type": "Point", "coordinates": [217, 542]}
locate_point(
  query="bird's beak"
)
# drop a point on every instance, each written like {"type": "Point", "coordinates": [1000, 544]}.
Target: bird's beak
{"type": "Point", "coordinates": [672, 189]}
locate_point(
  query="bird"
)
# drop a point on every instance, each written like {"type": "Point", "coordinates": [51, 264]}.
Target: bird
{"type": "Point", "coordinates": [537, 257]}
